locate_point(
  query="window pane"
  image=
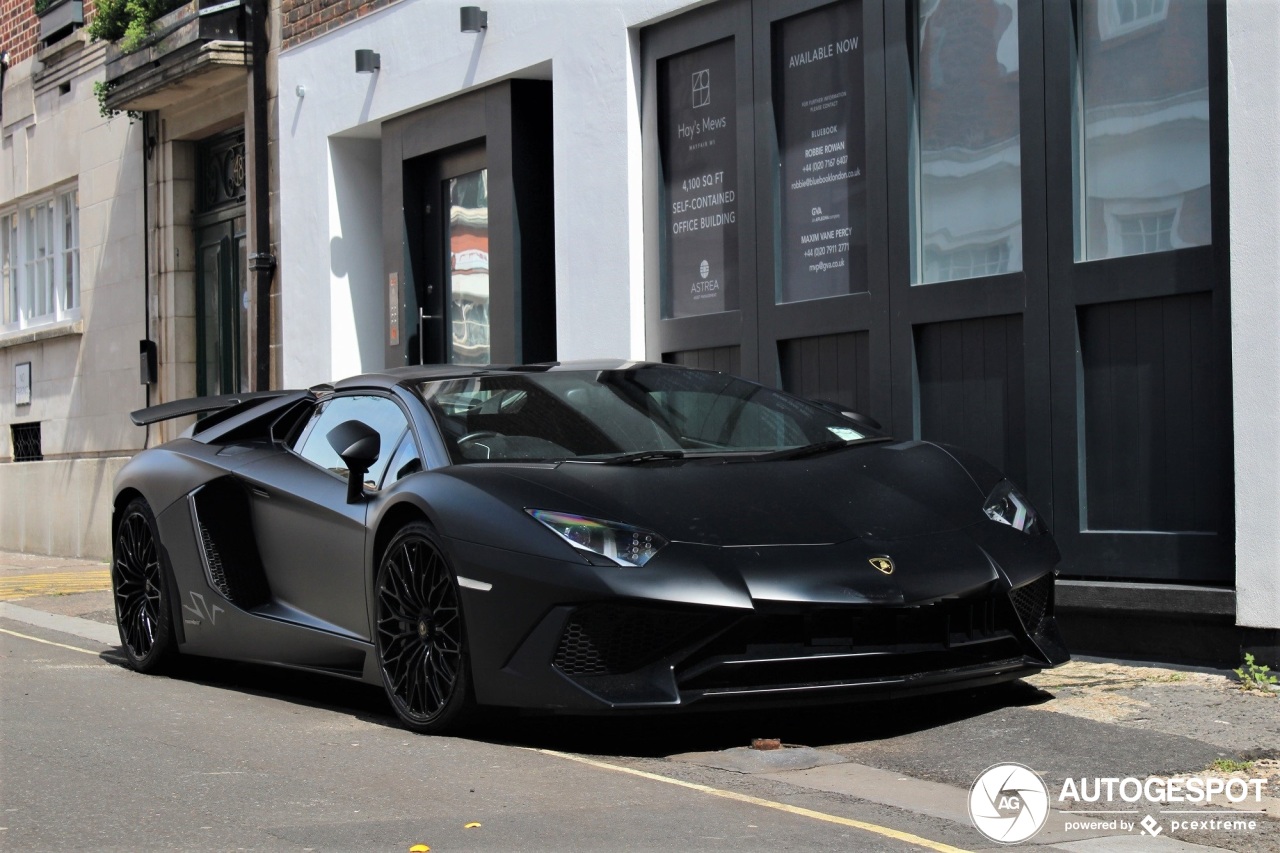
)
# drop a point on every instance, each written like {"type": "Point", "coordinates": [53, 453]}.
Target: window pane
{"type": "Point", "coordinates": [968, 215]}
{"type": "Point", "coordinates": [7, 315]}
{"type": "Point", "coordinates": [70, 212]}
{"type": "Point", "coordinates": [39, 260]}
{"type": "Point", "coordinates": [211, 354]}
{"type": "Point", "coordinates": [698, 135]}
{"type": "Point", "coordinates": [1143, 111]}
{"type": "Point", "coordinates": [380, 413]}
{"type": "Point", "coordinates": [469, 267]}
{"type": "Point", "coordinates": [244, 303]}
{"type": "Point", "coordinates": [821, 118]}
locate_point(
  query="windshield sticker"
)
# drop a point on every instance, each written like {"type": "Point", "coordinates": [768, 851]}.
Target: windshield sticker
{"type": "Point", "coordinates": [844, 433]}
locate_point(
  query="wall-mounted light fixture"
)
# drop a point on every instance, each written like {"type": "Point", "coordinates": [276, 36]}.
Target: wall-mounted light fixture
{"type": "Point", "coordinates": [474, 19]}
{"type": "Point", "coordinates": [367, 61]}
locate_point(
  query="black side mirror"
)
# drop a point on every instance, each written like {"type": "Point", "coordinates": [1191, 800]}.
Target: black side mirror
{"type": "Point", "coordinates": [358, 446]}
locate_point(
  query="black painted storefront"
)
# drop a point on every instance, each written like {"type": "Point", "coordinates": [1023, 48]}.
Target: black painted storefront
{"type": "Point", "coordinates": [1101, 385]}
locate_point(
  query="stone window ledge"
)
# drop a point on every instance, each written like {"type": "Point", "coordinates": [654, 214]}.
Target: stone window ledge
{"type": "Point", "coordinates": [61, 329]}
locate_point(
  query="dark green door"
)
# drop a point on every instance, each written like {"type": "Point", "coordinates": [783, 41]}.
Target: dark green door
{"type": "Point", "coordinates": [222, 308]}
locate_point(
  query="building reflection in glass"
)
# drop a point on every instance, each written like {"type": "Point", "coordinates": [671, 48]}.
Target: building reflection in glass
{"type": "Point", "coordinates": [1142, 113]}
{"type": "Point", "coordinates": [968, 163]}
{"type": "Point", "coordinates": [469, 268]}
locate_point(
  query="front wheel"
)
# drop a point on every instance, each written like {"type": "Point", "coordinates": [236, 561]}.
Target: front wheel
{"type": "Point", "coordinates": [140, 586]}
{"type": "Point", "coordinates": [420, 639]}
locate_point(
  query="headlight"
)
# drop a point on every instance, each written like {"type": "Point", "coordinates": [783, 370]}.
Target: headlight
{"type": "Point", "coordinates": [622, 544]}
{"type": "Point", "coordinates": [1008, 506]}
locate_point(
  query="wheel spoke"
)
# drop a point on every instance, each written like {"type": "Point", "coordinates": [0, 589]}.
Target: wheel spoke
{"type": "Point", "coordinates": [419, 631]}
{"type": "Point", "coordinates": [137, 582]}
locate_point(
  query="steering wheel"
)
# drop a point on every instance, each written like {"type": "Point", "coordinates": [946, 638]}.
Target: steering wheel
{"type": "Point", "coordinates": [476, 436]}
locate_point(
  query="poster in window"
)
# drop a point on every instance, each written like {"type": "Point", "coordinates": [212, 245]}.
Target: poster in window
{"type": "Point", "coordinates": [820, 112]}
{"type": "Point", "coordinates": [698, 132]}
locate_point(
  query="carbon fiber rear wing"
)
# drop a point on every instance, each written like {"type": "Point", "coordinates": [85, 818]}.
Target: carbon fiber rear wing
{"type": "Point", "coordinates": [196, 405]}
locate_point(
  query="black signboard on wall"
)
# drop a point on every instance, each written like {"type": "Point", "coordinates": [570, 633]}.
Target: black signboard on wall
{"type": "Point", "coordinates": [700, 155]}
{"type": "Point", "coordinates": [820, 111]}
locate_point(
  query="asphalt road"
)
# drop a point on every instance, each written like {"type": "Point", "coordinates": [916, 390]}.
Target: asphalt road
{"type": "Point", "coordinates": [95, 757]}
{"type": "Point", "coordinates": [225, 756]}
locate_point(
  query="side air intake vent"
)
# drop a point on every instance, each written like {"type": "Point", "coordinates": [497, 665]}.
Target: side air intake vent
{"type": "Point", "coordinates": [1031, 601]}
{"type": "Point", "coordinates": [220, 512]}
{"type": "Point", "coordinates": [606, 639]}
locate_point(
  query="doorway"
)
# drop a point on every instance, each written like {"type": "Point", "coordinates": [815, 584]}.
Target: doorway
{"type": "Point", "coordinates": [222, 281]}
{"type": "Point", "coordinates": [469, 229]}
{"type": "Point", "coordinates": [450, 228]}
{"type": "Point", "coordinates": [222, 318]}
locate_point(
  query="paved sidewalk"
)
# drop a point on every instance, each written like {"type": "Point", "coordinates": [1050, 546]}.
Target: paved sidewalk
{"type": "Point", "coordinates": [66, 586]}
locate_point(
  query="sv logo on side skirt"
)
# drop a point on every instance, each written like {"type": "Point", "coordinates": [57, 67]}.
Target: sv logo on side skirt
{"type": "Point", "coordinates": [199, 609]}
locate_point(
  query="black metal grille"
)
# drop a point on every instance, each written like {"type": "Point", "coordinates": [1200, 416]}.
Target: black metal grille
{"type": "Point", "coordinates": [216, 572]}
{"type": "Point", "coordinates": [1031, 601]}
{"type": "Point", "coordinates": [25, 440]}
{"type": "Point", "coordinates": [835, 645]}
{"type": "Point", "coordinates": [610, 639]}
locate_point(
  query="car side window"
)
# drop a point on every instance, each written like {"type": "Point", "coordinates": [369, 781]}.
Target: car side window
{"type": "Point", "coordinates": [407, 460]}
{"type": "Point", "coordinates": [380, 413]}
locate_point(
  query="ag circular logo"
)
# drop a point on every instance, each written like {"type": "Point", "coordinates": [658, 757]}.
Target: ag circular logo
{"type": "Point", "coordinates": [1009, 803]}
{"type": "Point", "coordinates": [704, 269]}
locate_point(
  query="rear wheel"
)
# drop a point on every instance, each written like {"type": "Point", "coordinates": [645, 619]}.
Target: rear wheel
{"type": "Point", "coordinates": [421, 641]}
{"type": "Point", "coordinates": [140, 587]}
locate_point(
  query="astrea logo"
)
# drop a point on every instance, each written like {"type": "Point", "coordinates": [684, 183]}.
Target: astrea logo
{"type": "Point", "coordinates": [1009, 803]}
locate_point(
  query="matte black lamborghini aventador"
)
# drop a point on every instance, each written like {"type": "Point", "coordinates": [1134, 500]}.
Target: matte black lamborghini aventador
{"type": "Point", "coordinates": [576, 538]}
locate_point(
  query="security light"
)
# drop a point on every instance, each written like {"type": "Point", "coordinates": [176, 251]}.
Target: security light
{"type": "Point", "coordinates": [474, 19]}
{"type": "Point", "coordinates": [367, 61]}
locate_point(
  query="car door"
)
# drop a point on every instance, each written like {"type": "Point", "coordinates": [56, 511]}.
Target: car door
{"type": "Point", "coordinates": [312, 541]}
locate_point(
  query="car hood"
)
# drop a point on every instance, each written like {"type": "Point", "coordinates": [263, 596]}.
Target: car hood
{"type": "Point", "coordinates": [875, 491]}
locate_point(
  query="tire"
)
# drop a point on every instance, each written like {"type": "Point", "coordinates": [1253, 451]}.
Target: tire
{"type": "Point", "coordinates": [141, 590]}
{"type": "Point", "coordinates": [420, 635]}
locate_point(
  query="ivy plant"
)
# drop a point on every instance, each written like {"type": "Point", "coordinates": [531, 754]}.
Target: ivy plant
{"type": "Point", "coordinates": [126, 22]}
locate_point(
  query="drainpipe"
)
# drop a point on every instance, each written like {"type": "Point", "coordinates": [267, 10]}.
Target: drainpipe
{"type": "Point", "coordinates": [261, 262]}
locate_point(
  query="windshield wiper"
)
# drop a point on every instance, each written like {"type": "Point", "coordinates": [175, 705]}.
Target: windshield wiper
{"type": "Point", "coordinates": [643, 456]}
{"type": "Point", "coordinates": [820, 447]}
{"type": "Point", "coordinates": [806, 450]}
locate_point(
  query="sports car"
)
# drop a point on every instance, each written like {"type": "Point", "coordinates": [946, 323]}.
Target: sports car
{"type": "Point", "coordinates": [604, 536]}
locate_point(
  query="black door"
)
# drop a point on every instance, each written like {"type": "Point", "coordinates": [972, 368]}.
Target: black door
{"type": "Point", "coordinates": [1137, 282]}
{"type": "Point", "coordinates": [312, 542]}
{"type": "Point", "coordinates": [449, 244]}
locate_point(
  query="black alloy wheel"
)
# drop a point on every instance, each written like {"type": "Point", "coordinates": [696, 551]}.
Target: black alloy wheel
{"type": "Point", "coordinates": [421, 640]}
{"type": "Point", "coordinates": [140, 586]}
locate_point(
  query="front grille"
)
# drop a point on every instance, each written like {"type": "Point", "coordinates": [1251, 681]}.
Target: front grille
{"type": "Point", "coordinates": [849, 645]}
{"type": "Point", "coordinates": [607, 639]}
{"type": "Point", "coordinates": [1031, 601]}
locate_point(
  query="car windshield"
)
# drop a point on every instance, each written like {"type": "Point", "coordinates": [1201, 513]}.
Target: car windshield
{"type": "Point", "coordinates": [625, 416]}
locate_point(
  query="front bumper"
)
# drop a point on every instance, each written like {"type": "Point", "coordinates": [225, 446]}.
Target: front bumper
{"type": "Point", "coordinates": [582, 639]}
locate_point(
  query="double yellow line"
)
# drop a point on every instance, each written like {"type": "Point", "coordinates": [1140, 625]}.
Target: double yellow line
{"type": "Point", "coordinates": [54, 583]}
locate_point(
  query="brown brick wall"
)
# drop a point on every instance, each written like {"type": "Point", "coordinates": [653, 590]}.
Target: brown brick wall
{"type": "Point", "coordinates": [302, 20]}
{"type": "Point", "coordinates": [20, 28]}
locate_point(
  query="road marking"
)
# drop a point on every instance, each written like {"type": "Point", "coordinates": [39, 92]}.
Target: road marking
{"type": "Point", "coordinates": [54, 583]}
{"type": "Point", "coordinates": [49, 642]}
{"type": "Point", "coordinates": [885, 831]}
